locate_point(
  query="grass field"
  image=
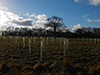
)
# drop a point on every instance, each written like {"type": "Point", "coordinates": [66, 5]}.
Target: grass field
{"type": "Point", "coordinates": [81, 57]}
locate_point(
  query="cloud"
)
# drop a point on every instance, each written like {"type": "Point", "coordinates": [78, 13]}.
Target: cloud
{"type": "Point", "coordinates": [91, 2]}
{"type": "Point", "coordinates": [85, 15]}
{"type": "Point", "coordinates": [8, 18]}
{"type": "Point", "coordinates": [11, 18]}
{"type": "Point", "coordinates": [41, 22]}
{"type": "Point", "coordinates": [3, 27]}
{"type": "Point", "coordinates": [94, 2]}
{"type": "Point", "coordinates": [50, 28]}
{"type": "Point", "coordinates": [3, 8]}
{"type": "Point", "coordinates": [77, 0]}
{"type": "Point", "coordinates": [27, 14]}
{"type": "Point", "coordinates": [3, 17]}
{"type": "Point", "coordinates": [24, 23]}
{"type": "Point", "coordinates": [89, 20]}
{"type": "Point", "coordinates": [78, 26]}
{"type": "Point", "coordinates": [32, 15]}
{"type": "Point", "coordinates": [75, 27]}
{"type": "Point", "coordinates": [41, 17]}
{"type": "Point", "coordinates": [98, 20]}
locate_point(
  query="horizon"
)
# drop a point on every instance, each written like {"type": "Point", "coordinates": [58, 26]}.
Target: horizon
{"type": "Point", "coordinates": [34, 13]}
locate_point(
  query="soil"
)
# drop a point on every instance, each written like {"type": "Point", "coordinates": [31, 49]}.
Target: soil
{"type": "Point", "coordinates": [82, 57]}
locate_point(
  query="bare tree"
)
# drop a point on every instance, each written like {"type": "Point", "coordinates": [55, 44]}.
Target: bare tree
{"type": "Point", "coordinates": [55, 22]}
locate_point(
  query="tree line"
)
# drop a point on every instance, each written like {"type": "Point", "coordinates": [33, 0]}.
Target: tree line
{"type": "Point", "coordinates": [56, 23]}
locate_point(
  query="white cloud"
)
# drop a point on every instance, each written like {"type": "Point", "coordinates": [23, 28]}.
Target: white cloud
{"type": "Point", "coordinates": [72, 30]}
{"type": "Point", "coordinates": [78, 26]}
{"type": "Point", "coordinates": [41, 22]}
{"type": "Point", "coordinates": [32, 15]}
{"type": "Point", "coordinates": [77, 0]}
{"type": "Point", "coordinates": [41, 17]}
{"type": "Point", "coordinates": [87, 14]}
{"type": "Point", "coordinates": [8, 18]}
{"type": "Point", "coordinates": [84, 16]}
{"type": "Point", "coordinates": [91, 2]}
{"type": "Point", "coordinates": [49, 28]}
{"type": "Point", "coordinates": [94, 2]}
{"type": "Point", "coordinates": [75, 27]}
{"type": "Point", "coordinates": [89, 20]}
{"type": "Point", "coordinates": [98, 20]}
{"type": "Point", "coordinates": [27, 14]}
{"type": "Point", "coordinates": [3, 8]}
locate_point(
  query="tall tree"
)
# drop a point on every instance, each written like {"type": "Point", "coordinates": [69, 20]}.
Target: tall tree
{"type": "Point", "coordinates": [54, 22]}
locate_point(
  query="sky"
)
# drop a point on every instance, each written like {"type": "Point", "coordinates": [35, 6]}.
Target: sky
{"type": "Point", "coordinates": [34, 13]}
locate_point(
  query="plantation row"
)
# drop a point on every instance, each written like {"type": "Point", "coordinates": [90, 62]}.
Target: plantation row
{"type": "Point", "coordinates": [24, 41]}
{"type": "Point", "coordinates": [30, 42]}
{"type": "Point", "coordinates": [27, 51]}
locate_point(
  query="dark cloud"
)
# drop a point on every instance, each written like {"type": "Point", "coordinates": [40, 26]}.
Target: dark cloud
{"type": "Point", "coordinates": [24, 23]}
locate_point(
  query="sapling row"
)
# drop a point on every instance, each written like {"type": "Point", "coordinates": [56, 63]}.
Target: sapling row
{"type": "Point", "coordinates": [42, 47]}
{"type": "Point", "coordinates": [42, 43]}
{"type": "Point", "coordinates": [91, 40]}
{"type": "Point", "coordinates": [96, 40]}
{"type": "Point", "coordinates": [65, 45]}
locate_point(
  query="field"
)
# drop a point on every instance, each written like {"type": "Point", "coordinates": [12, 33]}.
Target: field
{"type": "Point", "coordinates": [82, 57]}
